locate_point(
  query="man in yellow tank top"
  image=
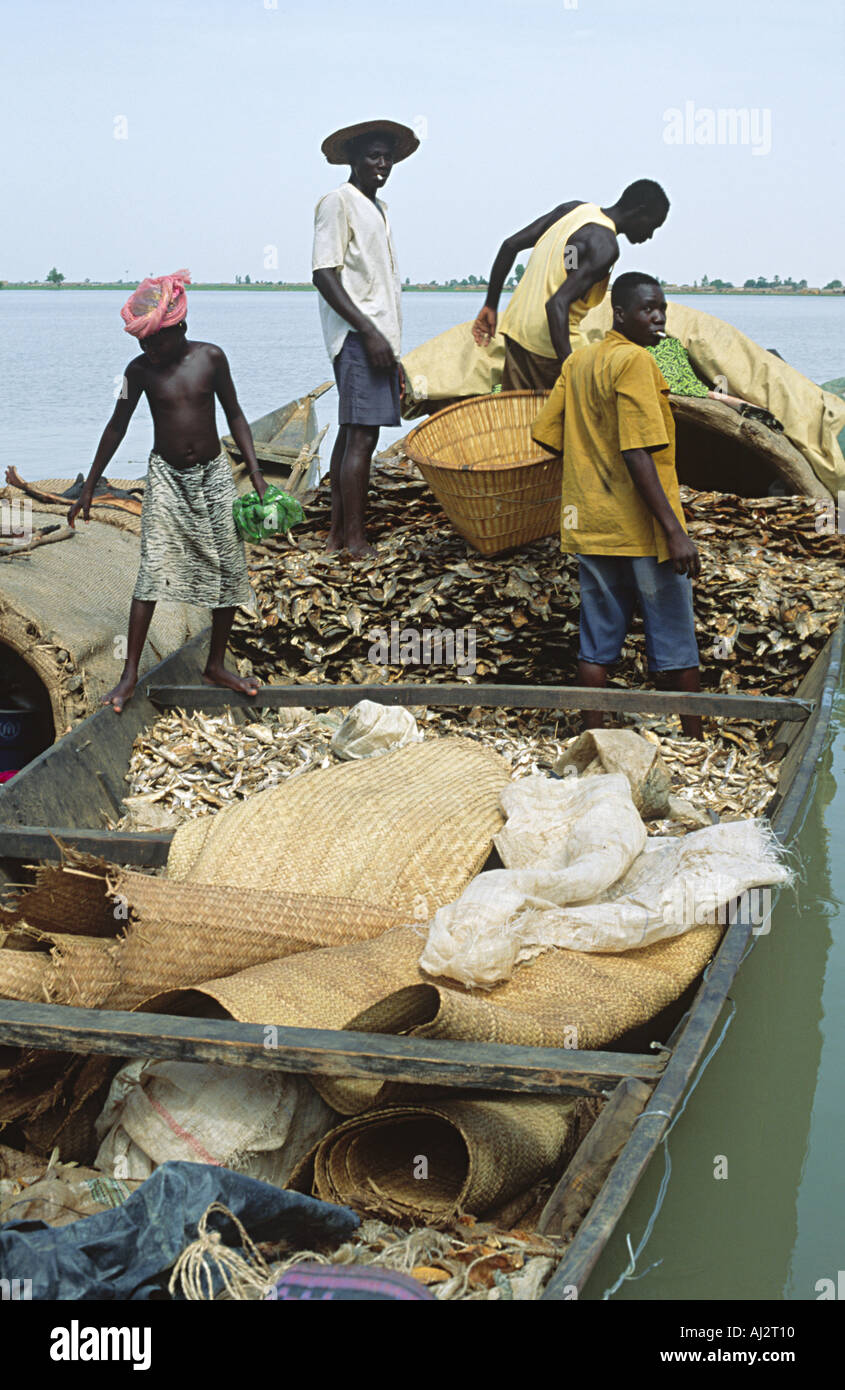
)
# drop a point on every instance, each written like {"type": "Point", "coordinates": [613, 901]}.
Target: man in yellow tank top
{"type": "Point", "coordinates": [573, 249]}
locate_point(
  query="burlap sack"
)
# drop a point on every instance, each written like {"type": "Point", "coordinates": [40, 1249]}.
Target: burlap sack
{"type": "Point", "coordinates": [622, 750]}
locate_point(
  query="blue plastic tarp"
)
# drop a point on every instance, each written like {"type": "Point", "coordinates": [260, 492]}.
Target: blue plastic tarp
{"type": "Point", "coordinates": [123, 1253]}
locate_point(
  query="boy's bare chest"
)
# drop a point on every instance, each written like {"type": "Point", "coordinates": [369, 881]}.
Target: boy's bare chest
{"type": "Point", "coordinates": [188, 384]}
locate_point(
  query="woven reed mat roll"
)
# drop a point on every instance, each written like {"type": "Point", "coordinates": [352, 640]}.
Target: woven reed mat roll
{"type": "Point", "coordinates": [71, 897]}
{"type": "Point", "coordinates": [174, 934]}
{"type": "Point", "coordinates": [23, 975]}
{"type": "Point", "coordinates": [80, 970]}
{"type": "Point", "coordinates": [180, 933]}
{"type": "Point", "coordinates": [478, 1153]}
{"type": "Point", "coordinates": [561, 999]}
{"type": "Point", "coordinates": [408, 829]}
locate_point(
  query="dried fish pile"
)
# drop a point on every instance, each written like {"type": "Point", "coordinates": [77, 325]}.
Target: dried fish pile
{"type": "Point", "coordinates": [186, 766]}
{"type": "Point", "coordinates": [778, 587]}
{"type": "Point", "coordinates": [730, 773]}
{"type": "Point", "coordinates": [771, 590]}
{"type": "Point", "coordinates": [320, 614]}
{"type": "Point", "coordinates": [192, 765]}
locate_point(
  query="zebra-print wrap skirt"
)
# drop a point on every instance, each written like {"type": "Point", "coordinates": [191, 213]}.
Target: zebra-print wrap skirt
{"type": "Point", "coordinates": [190, 550]}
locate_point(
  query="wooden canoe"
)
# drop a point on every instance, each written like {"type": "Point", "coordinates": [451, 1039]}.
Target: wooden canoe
{"type": "Point", "coordinates": [280, 437]}
{"type": "Point", "coordinates": [63, 796]}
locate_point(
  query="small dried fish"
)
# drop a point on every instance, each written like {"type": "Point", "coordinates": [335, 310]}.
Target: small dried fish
{"type": "Point", "coordinates": [730, 773]}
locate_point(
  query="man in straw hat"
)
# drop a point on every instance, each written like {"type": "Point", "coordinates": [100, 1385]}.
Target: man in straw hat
{"type": "Point", "coordinates": [190, 549]}
{"type": "Point", "coordinates": [356, 273]}
{"type": "Point", "coordinates": [573, 250]}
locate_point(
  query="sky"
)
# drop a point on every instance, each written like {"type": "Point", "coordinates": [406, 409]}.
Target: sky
{"type": "Point", "coordinates": [140, 136]}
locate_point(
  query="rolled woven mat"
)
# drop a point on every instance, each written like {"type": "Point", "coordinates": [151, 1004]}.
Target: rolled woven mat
{"type": "Point", "coordinates": [430, 1161]}
{"type": "Point", "coordinates": [23, 975]}
{"type": "Point", "coordinates": [561, 999]}
{"type": "Point", "coordinates": [408, 829]}
{"type": "Point", "coordinates": [181, 932]}
{"type": "Point", "coordinates": [175, 934]}
{"type": "Point", "coordinates": [70, 897]}
{"type": "Point", "coordinates": [83, 970]}
{"type": "Point", "coordinates": [79, 970]}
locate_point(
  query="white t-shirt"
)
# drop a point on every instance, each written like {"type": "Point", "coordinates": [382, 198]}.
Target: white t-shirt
{"type": "Point", "coordinates": [352, 234]}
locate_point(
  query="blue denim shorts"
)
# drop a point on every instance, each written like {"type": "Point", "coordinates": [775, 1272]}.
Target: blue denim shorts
{"type": "Point", "coordinates": [610, 587]}
{"type": "Point", "coordinates": [368, 396]}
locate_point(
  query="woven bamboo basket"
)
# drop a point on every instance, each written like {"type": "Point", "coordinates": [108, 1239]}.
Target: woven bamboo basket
{"type": "Point", "coordinates": [498, 488]}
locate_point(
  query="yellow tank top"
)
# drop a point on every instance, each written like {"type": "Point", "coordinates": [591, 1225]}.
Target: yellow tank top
{"type": "Point", "coordinates": [524, 319]}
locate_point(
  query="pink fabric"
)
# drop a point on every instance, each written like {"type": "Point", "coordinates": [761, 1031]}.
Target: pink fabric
{"type": "Point", "coordinates": [7, 776]}
{"type": "Point", "coordinates": [158, 303]}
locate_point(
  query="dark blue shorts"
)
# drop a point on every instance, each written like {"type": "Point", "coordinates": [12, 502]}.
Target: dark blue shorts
{"type": "Point", "coordinates": [611, 585]}
{"type": "Point", "coordinates": [367, 396]}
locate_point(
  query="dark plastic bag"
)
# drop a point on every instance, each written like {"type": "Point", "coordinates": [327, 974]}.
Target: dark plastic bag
{"type": "Point", "coordinates": [123, 1253]}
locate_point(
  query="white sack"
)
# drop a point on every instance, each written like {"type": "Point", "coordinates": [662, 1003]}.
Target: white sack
{"type": "Point", "coordinates": [585, 831]}
{"type": "Point", "coordinates": [370, 728]}
{"type": "Point", "coordinates": [667, 886]}
{"type": "Point", "coordinates": [255, 1122]}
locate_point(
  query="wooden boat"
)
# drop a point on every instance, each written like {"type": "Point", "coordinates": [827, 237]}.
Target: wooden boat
{"type": "Point", "coordinates": [282, 438]}
{"type": "Point", "coordinates": [719, 450]}
{"type": "Point", "coordinates": [61, 798]}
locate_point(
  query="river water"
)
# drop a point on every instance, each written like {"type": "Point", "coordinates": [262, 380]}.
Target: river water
{"type": "Point", "coordinates": [769, 1107]}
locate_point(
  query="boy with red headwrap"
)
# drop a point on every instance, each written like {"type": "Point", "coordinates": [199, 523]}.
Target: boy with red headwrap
{"type": "Point", "coordinates": [190, 549]}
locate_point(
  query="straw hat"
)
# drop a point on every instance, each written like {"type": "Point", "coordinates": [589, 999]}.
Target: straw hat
{"type": "Point", "coordinates": [336, 146]}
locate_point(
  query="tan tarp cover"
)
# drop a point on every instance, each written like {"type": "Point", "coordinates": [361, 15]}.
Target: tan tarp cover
{"type": "Point", "coordinates": [451, 366]}
{"type": "Point", "coordinates": [65, 608]}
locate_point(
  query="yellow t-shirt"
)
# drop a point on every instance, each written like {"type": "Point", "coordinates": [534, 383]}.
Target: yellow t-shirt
{"type": "Point", "coordinates": [610, 396]}
{"type": "Point", "coordinates": [524, 318]}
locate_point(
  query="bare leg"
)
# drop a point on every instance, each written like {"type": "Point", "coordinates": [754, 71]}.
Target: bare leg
{"type": "Point", "coordinates": [215, 672]}
{"type": "Point", "coordinates": [354, 478]}
{"type": "Point", "coordinates": [140, 616]}
{"type": "Point", "coordinates": [687, 679]}
{"type": "Point", "coordinates": [592, 674]}
{"type": "Point", "coordinates": [335, 540]}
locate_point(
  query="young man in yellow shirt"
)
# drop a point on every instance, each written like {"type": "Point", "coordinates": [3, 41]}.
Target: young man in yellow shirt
{"type": "Point", "coordinates": [621, 510]}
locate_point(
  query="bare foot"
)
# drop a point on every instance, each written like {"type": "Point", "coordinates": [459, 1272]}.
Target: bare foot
{"type": "Point", "coordinates": [123, 691]}
{"type": "Point", "coordinates": [361, 550]}
{"type": "Point", "coordinates": [218, 675]}
{"type": "Point", "coordinates": [334, 541]}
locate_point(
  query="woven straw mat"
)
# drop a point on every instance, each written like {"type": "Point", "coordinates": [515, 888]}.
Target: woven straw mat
{"type": "Point", "coordinates": [74, 598]}
{"type": "Point", "coordinates": [172, 934]}
{"type": "Point", "coordinates": [409, 829]}
{"type": "Point", "coordinates": [377, 986]}
{"type": "Point", "coordinates": [479, 1153]}
{"type": "Point", "coordinates": [23, 975]}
